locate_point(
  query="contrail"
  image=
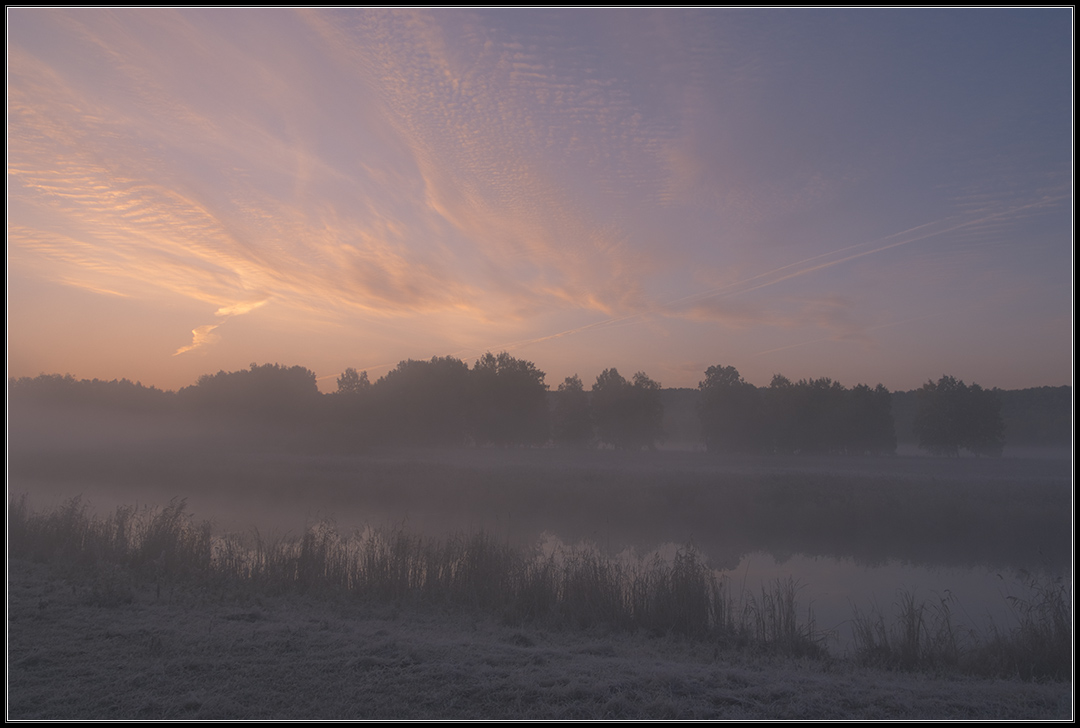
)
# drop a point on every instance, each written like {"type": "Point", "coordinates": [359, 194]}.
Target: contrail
{"type": "Point", "coordinates": [830, 338]}
{"type": "Point", "coordinates": [800, 268]}
{"type": "Point", "coordinates": [776, 275]}
{"type": "Point", "coordinates": [803, 267]}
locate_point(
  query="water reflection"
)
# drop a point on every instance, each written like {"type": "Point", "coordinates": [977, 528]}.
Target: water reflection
{"type": "Point", "coordinates": [852, 530]}
{"type": "Point", "coordinates": [833, 589]}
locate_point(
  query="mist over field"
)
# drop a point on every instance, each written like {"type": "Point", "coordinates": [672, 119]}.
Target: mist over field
{"type": "Point", "coordinates": [825, 535]}
{"type": "Point", "coordinates": [243, 474]}
{"type": "Point", "coordinates": [282, 474]}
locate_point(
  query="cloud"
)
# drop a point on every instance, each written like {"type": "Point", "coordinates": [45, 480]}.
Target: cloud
{"type": "Point", "coordinates": [200, 336]}
{"type": "Point", "coordinates": [524, 151]}
{"type": "Point", "coordinates": [192, 201]}
{"type": "Point", "coordinates": [834, 313]}
{"type": "Point", "coordinates": [830, 312]}
{"type": "Point", "coordinates": [108, 204]}
{"type": "Point", "coordinates": [497, 129]}
{"type": "Point", "coordinates": [239, 308]}
{"type": "Point", "coordinates": [468, 177]}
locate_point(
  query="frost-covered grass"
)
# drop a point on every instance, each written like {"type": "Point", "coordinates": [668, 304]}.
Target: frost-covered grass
{"type": "Point", "coordinates": [554, 588]}
{"type": "Point", "coordinates": [180, 653]}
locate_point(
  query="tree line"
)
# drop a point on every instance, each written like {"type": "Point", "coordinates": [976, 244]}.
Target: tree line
{"type": "Point", "coordinates": [820, 416]}
{"type": "Point", "coordinates": [816, 416]}
{"type": "Point", "coordinates": [503, 401]}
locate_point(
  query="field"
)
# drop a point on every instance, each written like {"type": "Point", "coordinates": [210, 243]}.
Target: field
{"type": "Point", "coordinates": [181, 656]}
{"type": "Point", "coordinates": [125, 632]}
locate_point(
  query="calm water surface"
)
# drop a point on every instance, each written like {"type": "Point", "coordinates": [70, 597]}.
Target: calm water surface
{"type": "Point", "coordinates": [849, 530]}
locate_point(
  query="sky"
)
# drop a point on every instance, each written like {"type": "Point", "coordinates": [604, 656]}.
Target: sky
{"type": "Point", "coordinates": [874, 196]}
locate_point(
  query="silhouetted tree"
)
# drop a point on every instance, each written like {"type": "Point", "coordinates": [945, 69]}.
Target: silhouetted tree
{"type": "Point", "coordinates": [953, 416]}
{"type": "Point", "coordinates": [610, 406]}
{"type": "Point", "coordinates": [351, 409]}
{"type": "Point", "coordinates": [1038, 416]}
{"type": "Point", "coordinates": [424, 402]}
{"type": "Point", "coordinates": [648, 412]}
{"type": "Point", "coordinates": [352, 383]}
{"type": "Point", "coordinates": [821, 423]}
{"type": "Point", "coordinates": [821, 416]}
{"type": "Point", "coordinates": [627, 416]}
{"type": "Point", "coordinates": [984, 427]}
{"type": "Point", "coordinates": [509, 401]}
{"type": "Point", "coordinates": [780, 426]}
{"type": "Point", "coordinates": [730, 410]}
{"type": "Point", "coordinates": [270, 392]}
{"type": "Point", "coordinates": [870, 427]}
{"type": "Point", "coordinates": [67, 391]}
{"type": "Point", "coordinates": [572, 424]}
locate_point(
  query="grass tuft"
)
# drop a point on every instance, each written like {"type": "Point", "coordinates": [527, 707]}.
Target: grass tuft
{"type": "Point", "coordinates": [776, 624]}
{"type": "Point", "coordinates": [924, 637]}
{"type": "Point", "coordinates": [1039, 643]}
{"type": "Point", "coordinates": [568, 586]}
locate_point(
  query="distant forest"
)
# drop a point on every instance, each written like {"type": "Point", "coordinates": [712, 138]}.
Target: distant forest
{"type": "Point", "coordinates": [502, 401]}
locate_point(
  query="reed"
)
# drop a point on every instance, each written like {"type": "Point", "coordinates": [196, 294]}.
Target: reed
{"type": "Point", "coordinates": [923, 636]}
{"type": "Point", "coordinates": [576, 587]}
{"type": "Point", "coordinates": [1038, 643]}
{"type": "Point", "coordinates": [776, 624]}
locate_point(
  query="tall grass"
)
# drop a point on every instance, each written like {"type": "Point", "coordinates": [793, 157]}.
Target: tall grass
{"type": "Point", "coordinates": [153, 543]}
{"type": "Point", "coordinates": [1039, 644]}
{"type": "Point", "coordinates": [566, 586]}
{"type": "Point", "coordinates": [924, 636]}
{"type": "Point", "coordinates": [776, 624]}
{"type": "Point", "coordinates": [570, 586]}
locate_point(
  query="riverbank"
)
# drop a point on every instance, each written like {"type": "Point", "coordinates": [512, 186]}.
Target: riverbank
{"type": "Point", "coordinates": [167, 653]}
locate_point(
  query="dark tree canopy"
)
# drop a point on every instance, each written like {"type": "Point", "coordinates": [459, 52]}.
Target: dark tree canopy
{"type": "Point", "coordinates": [869, 421]}
{"type": "Point", "coordinates": [812, 416]}
{"type": "Point", "coordinates": [352, 383]}
{"type": "Point", "coordinates": [509, 402]}
{"type": "Point", "coordinates": [820, 416]}
{"type": "Point", "coordinates": [424, 402]}
{"type": "Point", "coordinates": [985, 427]}
{"type": "Point", "coordinates": [781, 430]}
{"type": "Point", "coordinates": [731, 412]}
{"type": "Point", "coordinates": [1038, 416]}
{"type": "Point", "coordinates": [269, 391]}
{"type": "Point", "coordinates": [351, 408]}
{"type": "Point", "coordinates": [67, 391]}
{"type": "Point", "coordinates": [628, 416]}
{"type": "Point", "coordinates": [952, 417]}
{"type": "Point", "coordinates": [572, 421]}
{"type": "Point", "coordinates": [503, 401]}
